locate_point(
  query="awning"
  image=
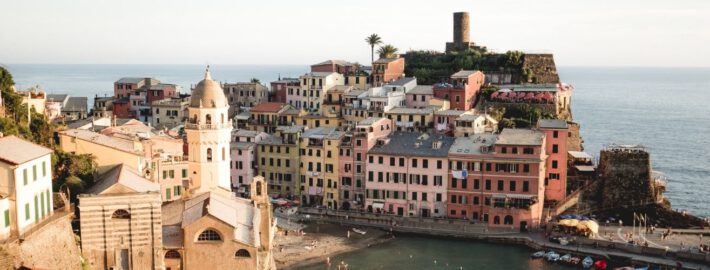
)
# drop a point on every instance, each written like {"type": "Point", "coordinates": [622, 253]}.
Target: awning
{"type": "Point", "coordinates": [378, 205]}
{"type": "Point", "coordinates": [521, 196]}
{"type": "Point", "coordinates": [579, 155]}
{"type": "Point", "coordinates": [498, 196]}
{"type": "Point", "coordinates": [584, 168]}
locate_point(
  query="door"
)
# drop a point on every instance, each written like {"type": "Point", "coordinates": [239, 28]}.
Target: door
{"type": "Point", "coordinates": [523, 226]}
{"type": "Point", "coordinates": [400, 211]}
{"type": "Point", "coordinates": [122, 259]}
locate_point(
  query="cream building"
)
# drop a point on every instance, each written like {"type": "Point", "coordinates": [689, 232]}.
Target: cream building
{"type": "Point", "coordinates": [25, 185]}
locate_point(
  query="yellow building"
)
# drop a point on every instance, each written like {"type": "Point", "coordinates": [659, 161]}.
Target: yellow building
{"type": "Point", "coordinates": [278, 160]}
{"type": "Point", "coordinates": [319, 166]}
{"type": "Point", "coordinates": [410, 119]}
{"type": "Point", "coordinates": [107, 151]}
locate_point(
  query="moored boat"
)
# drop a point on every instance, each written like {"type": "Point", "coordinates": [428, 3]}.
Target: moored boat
{"type": "Point", "coordinates": [575, 260]}
{"type": "Point", "coordinates": [587, 262]}
{"type": "Point", "coordinates": [553, 257]}
{"type": "Point", "coordinates": [538, 254]}
{"type": "Point", "coordinates": [566, 258]}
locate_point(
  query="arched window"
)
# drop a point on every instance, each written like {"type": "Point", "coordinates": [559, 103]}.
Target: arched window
{"type": "Point", "coordinates": [496, 220]}
{"type": "Point", "coordinates": [194, 118]}
{"type": "Point", "coordinates": [508, 220]}
{"type": "Point", "coordinates": [172, 254]}
{"type": "Point", "coordinates": [208, 119]}
{"type": "Point", "coordinates": [258, 188]}
{"type": "Point", "coordinates": [209, 235]}
{"type": "Point", "coordinates": [242, 253]}
{"type": "Point", "coordinates": [209, 154]}
{"type": "Point", "coordinates": [224, 155]}
{"type": "Point", "coordinates": [121, 214]}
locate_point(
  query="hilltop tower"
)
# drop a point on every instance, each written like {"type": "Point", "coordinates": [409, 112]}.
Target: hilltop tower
{"type": "Point", "coordinates": [462, 30]}
{"type": "Point", "coordinates": [208, 131]}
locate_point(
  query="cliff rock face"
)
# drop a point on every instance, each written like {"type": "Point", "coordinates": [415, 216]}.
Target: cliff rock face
{"type": "Point", "coordinates": [51, 247]}
{"type": "Point", "coordinates": [626, 172]}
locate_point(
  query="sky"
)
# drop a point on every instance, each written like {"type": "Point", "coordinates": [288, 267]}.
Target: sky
{"type": "Point", "coordinates": [648, 33]}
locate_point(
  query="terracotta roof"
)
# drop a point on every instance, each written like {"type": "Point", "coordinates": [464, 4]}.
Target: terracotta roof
{"type": "Point", "coordinates": [268, 107]}
{"type": "Point", "coordinates": [15, 151]}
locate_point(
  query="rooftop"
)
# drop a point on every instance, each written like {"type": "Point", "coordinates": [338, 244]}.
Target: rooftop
{"type": "Point", "coordinates": [516, 136]}
{"type": "Point", "coordinates": [552, 123]}
{"type": "Point", "coordinates": [323, 133]}
{"type": "Point", "coordinates": [473, 145]}
{"type": "Point", "coordinates": [369, 121]}
{"type": "Point", "coordinates": [290, 129]}
{"type": "Point", "coordinates": [245, 133]}
{"type": "Point", "coordinates": [57, 97]}
{"type": "Point", "coordinates": [405, 110]}
{"type": "Point", "coordinates": [268, 107]}
{"type": "Point", "coordinates": [385, 60]}
{"type": "Point", "coordinates": [403, 81]}
{"type": "Point", "coordinates": [125, 176]}
{"type": "Point", "coordinates": [15, 151]}
{"type": "Point", "coordinates": [422, 90]}
{"type": "Point", "coordinates": [463, 74]}
{"type": "Point", "coordinates": [101, 139]}
{"type": "Point", "coordinates": [414, 144]}
{"type": "Point", "coordinates": [76, 104]}
{"type": "Point", "coordinates": [318, 74]}
{"type": "Point", "coordinates": [451, 112]}
{"type": "Point", "coordinates": [133, 80]}
{"type": "Point", "coordinates": [337, 62]}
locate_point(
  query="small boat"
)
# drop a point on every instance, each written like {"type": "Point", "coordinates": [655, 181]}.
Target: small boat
{"type": "Point", "coordinates": [600, 265]}
{"type": "Point", "coordinates": [587, 262]}
{"type": "Point", "coordinates": [547, 254]}
{"type": "Point", "coordinates": [575, 260]}
{"type": "Point", "coordinates": [566, 258]}
{"type": "Point", "coordinates": [538, 254]}
{"type": "Point", "coordinates": [553, 257]}
{"type": "Point", "coordinates": [563, 241]}
{"type": "Point", "coordinates": [359, 231]}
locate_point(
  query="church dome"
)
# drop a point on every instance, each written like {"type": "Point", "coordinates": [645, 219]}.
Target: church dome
{"type": "Point", "coordinates": [208, 94]}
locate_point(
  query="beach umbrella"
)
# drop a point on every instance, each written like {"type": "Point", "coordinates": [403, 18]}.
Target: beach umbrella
{"type": "Point", "coordinates": [505, 90]}
{"type": "Point", "coordinates": [503, 95]}
{"type": "Point", "coordinates": [548, 96]}
{"type": "Point", "coordinates": [521, 95]}
{"type": "Point", "coordinates": [530, 96]}
{"type": "Point", "coordinates": [592, 225]}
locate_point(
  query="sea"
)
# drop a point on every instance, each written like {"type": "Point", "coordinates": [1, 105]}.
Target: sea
{"type": "Point", "coordinates": [667, 110]}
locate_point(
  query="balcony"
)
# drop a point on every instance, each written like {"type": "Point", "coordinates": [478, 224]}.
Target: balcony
{"type": "Point", "coordinates": [209, 126]}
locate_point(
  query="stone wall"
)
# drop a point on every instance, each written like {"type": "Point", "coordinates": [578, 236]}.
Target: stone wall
{"type": "Point", "coordinates": [52, 246]}
{"type": "Point", "coordinates": [574, 140]}
{"type": "Point", "coordinates": [626, 173]}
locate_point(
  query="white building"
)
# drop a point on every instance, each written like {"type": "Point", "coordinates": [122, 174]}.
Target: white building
{"type": "Point", "coordinates": [25, 185]}
{"type": "Point", "coordinates": [313, 87]}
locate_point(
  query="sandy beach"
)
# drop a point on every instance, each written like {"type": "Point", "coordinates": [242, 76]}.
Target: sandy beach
{"type": "Point", "coordinates": [319, 242]}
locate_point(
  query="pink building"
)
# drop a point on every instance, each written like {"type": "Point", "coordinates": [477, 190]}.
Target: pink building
{"type": "Point", "coordinates": [420, 96]}
{"type": "Point", "coordinates": [461, 90]}
{"type": "Point", "coordinates": [498, 179]}
{"type": "Point", "coordinates": [243, 157]}
{"type": "Point", "coordinates": [445, 121]}
{"type": "Point", "coordinates": [280, 88]}
{"type": "Point", "coordinates": [339, 66]}
{"type": "Point", "coordinates": [556, 132]}
{"type": "Point", "coordinates": [352, 159]}
{"type": "Point", "coordinates": [385, 70]}
{"type": "Point", "coordinates": [406, 175]}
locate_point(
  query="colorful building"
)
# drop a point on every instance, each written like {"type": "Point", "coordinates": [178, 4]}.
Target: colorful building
{"type": "Point", "coordinates": [313, 89]}
{"type": "Point", "coordinates": [406, 175]}
{"type": "Point", "coordinates": [385, 70]}
{"type": "Point", "coordinates": [279, 161]}
{"type": "Point", "coordinates": [244, 155]}
{"type": "Point", "coordinates": [461, 90]}
{"type": "Point", "coordinates": [498, 179]}
{"type": "Point", "coordinates": [319, 166]}
{"type": "Point", "coordinates": [243, 95]}
{"type": "Point", "coordinates": [556, 133]}
{"type": "Point", "coordinates": [280, 88]}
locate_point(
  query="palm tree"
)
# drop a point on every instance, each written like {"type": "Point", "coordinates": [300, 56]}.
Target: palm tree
{"type": "Point", "coordinates": [373, 40]}
{"type": "Point", "coordinates": [387, 51]}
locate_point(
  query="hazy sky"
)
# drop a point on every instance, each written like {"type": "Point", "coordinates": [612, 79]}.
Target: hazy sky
{"type": "Point", "coordinates": [580, 33]}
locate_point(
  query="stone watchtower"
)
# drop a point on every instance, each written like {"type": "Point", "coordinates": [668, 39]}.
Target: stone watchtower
{"type": "Point", "coordinates": [626, 172]}
{"type": "Point", "coordinates": [462, 30]}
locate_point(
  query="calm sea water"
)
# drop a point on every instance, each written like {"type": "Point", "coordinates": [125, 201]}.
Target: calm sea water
{"type": "Point", "coordinates": [665, 109]}
{"type": "Point", "coordinates": [433, 253]}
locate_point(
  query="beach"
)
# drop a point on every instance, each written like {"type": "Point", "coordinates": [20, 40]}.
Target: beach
{"type": "Point", "coordinates": [321, 241]}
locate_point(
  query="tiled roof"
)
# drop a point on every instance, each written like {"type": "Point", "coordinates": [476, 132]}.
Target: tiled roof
{"type": "Point", "coordinates": [130, 80]}
{"type": "Point", "coordinates": [473, 144]}
{"type": "Point", "coordinates": [15, 151]}
{"type": "Point", "coordinates": [337, 62]}
{"type": "Point", "coordinates": [402, 81]}
{"type": "Point", "coordinates": [414, 144]}
{"type": "Point", "coordinates": [104, 140]}
{"type": "Point", "coordinates": [422, 90]}
{"type": "Point", "coordinates": [268, 107]}
{"type": "Point", "coordinates": [405, 110]}
{"type": "Point", "coordinates": [76, 104]}
{"type": "Point", "coordinates": [318, 74]}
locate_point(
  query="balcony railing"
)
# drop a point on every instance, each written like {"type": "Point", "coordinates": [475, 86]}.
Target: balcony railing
{"type": "Point", "coordinates": [209, 126]}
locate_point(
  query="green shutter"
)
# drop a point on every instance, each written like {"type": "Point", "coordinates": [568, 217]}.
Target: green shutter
{"type": "Point", "coordinates": [44, 168]}
{"type": "Point", "coordinates": [184, 173]}
{"type": "Point", "coordinates": [49, 202]}
{"type": "Point", "coordinates": [167, 194]}
{"type": "Point", "coordinates": [34, 172]}
{"type": "Point", "coordinates": [41, 197]}
{"type": "Point", "coordinates": [27, 211]}
{"type": "Point", "coordinates": [24, 174]}
{"type": "Point", "coordinates": [36, 209]}
{"type": "Point", "coordinates": [7, 218]}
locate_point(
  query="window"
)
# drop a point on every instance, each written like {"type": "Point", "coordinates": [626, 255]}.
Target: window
{"type": "Point", "coordinates": [476, 184]}
{"type": "Point", "coordinates": [209, 154]}
{"type": "Point", "coordinates": [242, 253]}
{"type": "Point", "coordinates": [184, 173]}
{"type": "Point", "coordinates": [24, 176]}
{"type": "Point", "coordinates": [172, 254]}
{"type": "Point", "coordinates": [438, 164]}
{"type": "Point", "coordinates": [167, 193]}
{"type": "Point", "coordinates": [526, 186]}
{"type": "Point", "coordinates": [528, 151]}
{"type": "Point", "coordinates": [414, 163]}
{"type": "Point", "coordinates": [555, 148]}
{"type": "Point", "coordinates": [500, 185]}
{"type": "Point", "coordinates": [488, 184]}
{"type": "Point", "coordinates": [526, 167]}
{"type": "Point", "coordinates": [508, 220]}
{"type": "Point", "coordinates": [554, 164]}
{"type": "Point", "coordinates": [425, 163]}
{"type": "Point", "coordinates": [7, 218]}
{"type": "Point", "coordinates": [512, 185]}
{"type": "Point", "coordinates": [209, 235]}
{"type": "Point", "coordinates": [391, 161]}
{"type": "Point", "coordinates": [177, 190]}
{"type": "Point", "coordinates": [121, 214]}
{"type": "Point", "coordinates": [401, 162]}
{"type": "Point", "coordinates": [44, 168]}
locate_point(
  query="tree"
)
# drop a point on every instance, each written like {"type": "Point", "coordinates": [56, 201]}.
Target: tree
{"type": "Point", "coordinates": [387, 51]}
{"type": "Point", "coordinates": [373, 40]}
{"type": "Point", "coordinates": [255, 80]}
{"type": "Point", "coordinates": [514, 59]}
